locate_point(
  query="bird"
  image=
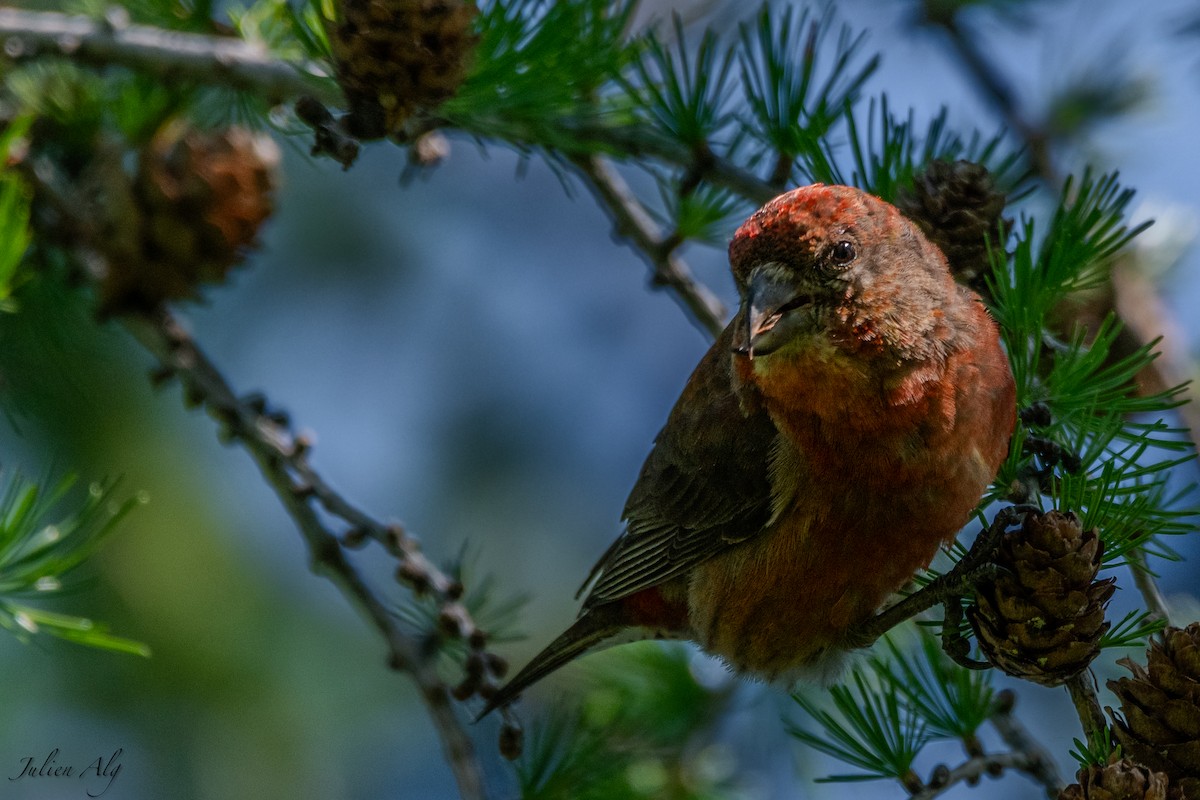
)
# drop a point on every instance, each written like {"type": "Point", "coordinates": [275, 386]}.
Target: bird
{"type": "Point", "coordinates": [838, 432]}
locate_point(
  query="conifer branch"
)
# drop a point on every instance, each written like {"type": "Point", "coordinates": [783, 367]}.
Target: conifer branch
{"type": "Point", "coordinates": [975, 768]}
{"type": "Point", "coordinates": [632, 221]}
{"type": "Point", "coordinates": [281, 456]}
{"type": "Point", "coordinates": [170, 55]}
{"type": "Point", "coordinates": [701, 164]}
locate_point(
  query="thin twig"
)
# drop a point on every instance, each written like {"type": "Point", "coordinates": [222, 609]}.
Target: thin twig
{"type": "Point", "coordinates": [280, 458]}
{"type": "Point", "coordinates": [172, 55]}
{"type": "Point", "coordinates": [996, 87]}
{"type": "Point", "coordinates": [1143, 579]}
{"type": "Point", "coordinates": [1041, 764]}
{"type": "Point", "coordinates": [635, 223]}
{"type": "Point", "coordinates": [971, 770]}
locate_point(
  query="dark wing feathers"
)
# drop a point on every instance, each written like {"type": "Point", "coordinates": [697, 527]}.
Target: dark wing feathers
{"type": "Point", "coordinates": [703, 487]}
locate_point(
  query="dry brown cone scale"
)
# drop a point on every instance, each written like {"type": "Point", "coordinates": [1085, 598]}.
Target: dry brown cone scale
{"type": "Point", "coordinates": [1159, 722]}
{"type": "Point", "coordinates": [1120, 779]}
{"type": "Point", "coordinates": [395, 57]}
{"type": "Point", "coordinates": [189, 215]}
{"type": "Point", "coordinates": [1042, 617]}
{"type": "Point", "coordinates": [957, 205]}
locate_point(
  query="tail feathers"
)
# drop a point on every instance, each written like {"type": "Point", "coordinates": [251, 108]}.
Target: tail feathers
{"type": "Point", "coordinates": [600, 627]}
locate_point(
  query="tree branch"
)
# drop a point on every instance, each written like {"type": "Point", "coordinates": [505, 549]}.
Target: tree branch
{"type": "Point", "coordinates": [281, 457]}
{"type": "Point", "coordinates": [1143, 579]}
{"type": "Point", "coordinates": [1087, 707]}
{"type": "Point", "coordinates": [220, 60]}
{"type": "Point", "coordinates": [971, 770]}
{"type": "Point", "coordinates": [633, 222]}
{"type": "Point", "coordinates": [1041, 764]}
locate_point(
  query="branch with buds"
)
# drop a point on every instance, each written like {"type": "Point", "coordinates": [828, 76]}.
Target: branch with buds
{"type": "Point", "coordinates": [218, 60]}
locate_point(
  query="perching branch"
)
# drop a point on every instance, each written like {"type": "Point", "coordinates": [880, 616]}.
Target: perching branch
{"type": "Point", "coordinates": [948, 588]}
{"type": "Point", "coordinates": [170, 55]}
{"type": "Point", "coordinates": [282, 458]}
{"type": "Point", "coordinates": [633, 222]}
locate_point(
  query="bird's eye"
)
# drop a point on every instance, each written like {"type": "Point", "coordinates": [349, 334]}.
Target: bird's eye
{"type": "Point", "coordinates": [842, 253]}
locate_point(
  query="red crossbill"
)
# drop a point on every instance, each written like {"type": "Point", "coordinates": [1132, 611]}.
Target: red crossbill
{"type": "Point", "coordinates": [839, 431]}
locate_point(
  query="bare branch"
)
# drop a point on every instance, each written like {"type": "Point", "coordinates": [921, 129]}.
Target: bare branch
{"type": "Point", "coordinates": [1041, 764]}
{"type": "Point", "coordinates": [220, 60]}
{"type": "Point", "coordinates": [701, 164]}
{"type": "Point", "coordinates": [1144, 580]}
{"type": "Point", "coordinates": [635, 223]}
{"type": "Point", "coordinates": [971, 770]}
{"type": "Point", "coordinates": [281, 458]}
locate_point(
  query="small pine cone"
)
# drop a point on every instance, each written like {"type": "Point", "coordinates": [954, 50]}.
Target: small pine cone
{"type": "Point", "coordinates": [1118, 780]}
{"type": "Point", "coordinates": [201, 197]}
{"type": "Point", "coordinates": [1159, 724]}
{"type": "Point", "coordinates": [959, 209]}
{"type": "Point", "coordinates": [1042, 618]}
{"type": "Point", "coordinates": [397, 56]}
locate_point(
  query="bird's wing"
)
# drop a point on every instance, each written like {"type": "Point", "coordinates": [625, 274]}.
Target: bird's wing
{"type": "Point", "coordinates": [704, 486]}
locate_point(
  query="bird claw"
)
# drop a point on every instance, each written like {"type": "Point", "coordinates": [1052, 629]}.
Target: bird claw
{"type": "Point", "coordinates": [954, 644]}
{"type": "Point", "coordinates": [973, 567]}
{"type": "Point", "coordinates": [987, 542]}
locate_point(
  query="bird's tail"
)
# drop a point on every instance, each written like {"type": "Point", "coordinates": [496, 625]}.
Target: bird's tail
{"type": "Point", "coordinates": [602, 626]}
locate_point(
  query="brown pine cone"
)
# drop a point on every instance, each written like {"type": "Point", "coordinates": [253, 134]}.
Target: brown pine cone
{"type": "Point", "coordinates": [1159, 723]}
{"type": "Point", "coordinates": [198, 201]}
{"type": "Point", "coordinates": [958, 207]}
{"type": "Point", "coordinates": [397, 56]}
{"type": "Point", "coordinates": [1042, 618]}
{"type": "Point", "coordinates": [1118, 780]}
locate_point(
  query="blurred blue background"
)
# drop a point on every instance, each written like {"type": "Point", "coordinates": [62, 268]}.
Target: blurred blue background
{"type": "Point", "coordinates": [482, 362]}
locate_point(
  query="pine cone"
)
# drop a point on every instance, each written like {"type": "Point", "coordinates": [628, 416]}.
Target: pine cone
{"type": "Point", "coordinates": [1043, 617]}
{"type": "Point", "coordinates": [957, 206]}
{"type": "Point", "coordinates": [1159, 724]}
{"type": "Point", "coordinates": [1118, 780]}
{"type": "Point", "coordinates": [396, 56]}
{"type": "Point", "coordinates": [200, 199]}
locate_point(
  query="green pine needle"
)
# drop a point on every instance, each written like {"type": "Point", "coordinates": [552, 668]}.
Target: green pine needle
{"type": "Point", "coordinates": [1133, 630]}
{"type": "Point", "coordinates": [885, 152]}
{"type": "Point", "coordinates": [794, 95]}
{"type": "Point", "coordinates": [1100, 753]}
{"type": "Point", "coordinates": [540, 65]}
{"type": "Point", "coordinates": [40, 545]}
{"type": "Point", "coordinates": [951, 700]}
{"type": "Point", "coordinates": [14, 217]}
{"type": "Point", "coordinates": [495, 612]}
{"type": "Point", "coordinates": [870, 729]}
{"type": "Point", "coordinates": [643, 733]}
{"type": "Point", "coordinates": [684, 95]}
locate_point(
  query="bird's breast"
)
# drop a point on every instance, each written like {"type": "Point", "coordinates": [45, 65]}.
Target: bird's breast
{"type": "Point", "coordinates": [859, 506]}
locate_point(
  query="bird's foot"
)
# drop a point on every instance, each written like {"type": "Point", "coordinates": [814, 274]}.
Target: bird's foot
{"type": "Point", "coordinates": [954, 643]}
{"type": "Point", "coordinates": [946, 589]}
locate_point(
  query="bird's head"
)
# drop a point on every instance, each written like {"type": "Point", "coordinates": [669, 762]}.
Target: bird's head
{"type": "Point", "coordinates": [833, 266]}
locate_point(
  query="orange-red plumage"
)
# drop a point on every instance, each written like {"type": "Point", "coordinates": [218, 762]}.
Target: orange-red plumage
{"type": "Point", "coordinates": [840, 430]}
